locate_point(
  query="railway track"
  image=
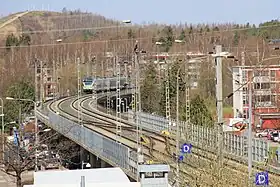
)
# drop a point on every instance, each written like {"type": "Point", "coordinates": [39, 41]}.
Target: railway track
{"type": "Point", "coordinates": [160, 148]}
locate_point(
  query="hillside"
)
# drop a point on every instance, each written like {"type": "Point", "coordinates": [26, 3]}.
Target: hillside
{"type": "Point", "coordinates": [85, 35]}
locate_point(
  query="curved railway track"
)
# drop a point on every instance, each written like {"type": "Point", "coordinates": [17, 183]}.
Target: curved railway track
{"type": "Point", "coordinates": [159, 148]}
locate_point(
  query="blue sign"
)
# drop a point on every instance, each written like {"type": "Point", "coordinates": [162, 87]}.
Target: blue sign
{"type": "Point", "coordinates": [181, 158]}
{"type": "Point", "coordinates": [15, 136]}
{"type": "Point", "coordinates": [186, 148]}
{"type": "Point", "coordinates": [262, 178]}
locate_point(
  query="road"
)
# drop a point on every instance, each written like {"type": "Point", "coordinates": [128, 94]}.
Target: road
{"type": "Point", "coordinates": [13, 19]}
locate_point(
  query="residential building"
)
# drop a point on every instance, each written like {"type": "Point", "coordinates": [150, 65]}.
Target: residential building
{"type": "Point", "coordinates": [265, 93]}
{"type": "Point", "coordinates": [162, 59]}
{"type": "Point", "coordinates": [49, 85]}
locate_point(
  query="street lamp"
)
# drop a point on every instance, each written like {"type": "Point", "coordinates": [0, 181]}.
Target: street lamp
{"type": "Point", "coordinates": [126, 21]}
{"type": "Point", "coordinates": [36, 126]}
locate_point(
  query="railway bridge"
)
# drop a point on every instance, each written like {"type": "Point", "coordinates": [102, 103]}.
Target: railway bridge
{"type": "Point", "coordinates": [94, 130]}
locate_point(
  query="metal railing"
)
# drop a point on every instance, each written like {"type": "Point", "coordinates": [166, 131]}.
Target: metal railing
{"type": "Point", "coordinates": [205, 137]}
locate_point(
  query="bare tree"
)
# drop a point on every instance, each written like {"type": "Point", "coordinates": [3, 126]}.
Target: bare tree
{"type": "Point", "coordinates": [19, 159]}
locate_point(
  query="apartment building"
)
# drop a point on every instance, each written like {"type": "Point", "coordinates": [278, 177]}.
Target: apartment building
{"type": "Point", "coordinates": [162, 59]}
{"type": "Point", "coordinates": [265, 82]}
{"type": "Point", "coordinates": [48, 83]}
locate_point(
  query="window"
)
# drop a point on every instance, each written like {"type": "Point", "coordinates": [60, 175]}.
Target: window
{"type": "Point", "coordinates": [149, 175]}
{"type": "Point", "coordinates": [273, 73]}
{"type": "Point", "coordinates": [261, 73]}
{"type": "Point", "coordinates": [265, 86]}
{"type": "Point", "coordinates": [272, 85]}
{"type": "Point", "coordinates": [49, 79]}
{"type": "Point", "coordinates": [259, 86]}
{"type": "Point", "coordinates": [245, 100]}
{"type": "Point", "coordinates": [159, 175]}
{"type": "Point", "coordinates": [273, 100]}
{"type": "Point", "coordinates": [244, 75]}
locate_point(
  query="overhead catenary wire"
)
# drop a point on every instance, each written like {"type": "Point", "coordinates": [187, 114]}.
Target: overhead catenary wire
{"type": "Point", "coordinates": [136, 26]}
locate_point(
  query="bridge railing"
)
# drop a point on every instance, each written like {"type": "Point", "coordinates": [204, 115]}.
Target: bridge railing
{"type": "Point", "coordinates": [107, 149]}
{"type": "Point", "coordinates": [204, 137]}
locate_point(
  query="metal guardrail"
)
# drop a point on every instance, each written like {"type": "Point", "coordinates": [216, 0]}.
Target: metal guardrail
{"type": "Point", "coordinates": [204, 137]}
{"type": "Point", "coordinates": [107, 149]}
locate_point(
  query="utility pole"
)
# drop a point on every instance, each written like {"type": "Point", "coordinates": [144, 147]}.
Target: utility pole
{"type": "Point", "coordinates": [55, 81]}
{"type": "Point", "coordinates": [137, 103]}
{"type": "Point", "coordinates": [250, 135]}
{"type": "Point", "coordinates": [187, 95]}
{"type": "Point", "coordinates": [126, 75]}
{"type": "Point", "coordinates": [41, 84]}
{"type": "Point", "coordinates": [118, 99]}
{"type": "Point", "coordinates": [177, 133]}
{"type": "Point", "coordinates": [79, 109]}
{"type": "Point", "coordinates": [94, 78]}
{"type": "Point", "coordinates": [36, 80]}
{"type": "Point", "coordinates": [219, 101]}
{"type": "Point", "coordinates": [167, 98]}
{"type": "Point", "coordinates": [108, 89]}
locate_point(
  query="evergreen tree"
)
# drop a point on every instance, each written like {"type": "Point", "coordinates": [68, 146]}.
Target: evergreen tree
{"type": "Point", "coordinates": [24, 90]}
{"type": "Point", "coordinates": [182, 35]}
{"type": "Point", "coordinates": [149, 90]}
{"type": "Point", "coordinates": [199, 113]}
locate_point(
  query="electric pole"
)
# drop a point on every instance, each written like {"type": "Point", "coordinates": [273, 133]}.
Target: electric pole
{"type": "Point", "coordinates": [108, 85]}
{"type": "Point", "coordinates": [219, 101]}
{"type": "Point", "coordinates": [94, 80]}
{"type": "Point", "coordinates": [41, 85]}
{"type": "Point", "coordinates": [250, 135]}
{"type": "Point", "coordinates": [36, 80]}
{"type": "Point", "coordinates": [137, 103]}
{"type": "Point", "coordinates": [118, 99]}
{"type": "Point", "coordinates": [79, 109]}
{"type": "Point", "coordinates": [187, 95]}
{"type": "Point", "coordinates": [167, 98]}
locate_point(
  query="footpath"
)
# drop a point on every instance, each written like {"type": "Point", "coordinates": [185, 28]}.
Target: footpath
{"type": "Point", "coordinates": [7, 180]}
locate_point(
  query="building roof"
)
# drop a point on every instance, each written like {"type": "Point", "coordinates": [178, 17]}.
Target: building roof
{"type": "Point", "coordinates": [98, 175]}
{"type": "Point", "coordinates": [259, 66]}
{"type": "Point", "coordinates": [154, 168]}
{"type": "Point", "coordinates": [130, 184]}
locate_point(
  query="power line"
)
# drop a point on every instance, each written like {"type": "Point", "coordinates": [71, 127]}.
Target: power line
{"type": "Point", "coordinates": [136, 26]}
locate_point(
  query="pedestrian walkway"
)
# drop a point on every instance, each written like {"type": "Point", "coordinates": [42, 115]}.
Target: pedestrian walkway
{"type": "Point", "coordinates": [6, 180]}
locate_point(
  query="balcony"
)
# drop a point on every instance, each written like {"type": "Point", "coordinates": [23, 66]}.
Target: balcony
{"type": "Point", "coordinates": [262, 92]}
{"type": "Point", "coordinates": [263, 104]}
{"type": "Point", "coordinates": [261, 79]}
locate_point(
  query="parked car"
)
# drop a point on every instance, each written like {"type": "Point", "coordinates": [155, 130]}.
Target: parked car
{"type": "Point", "coordinates": [269, 135]}
{"type": "Point", "coordinates": [263, 133]}
{"type": "Point", "coordinates": [275, 136]}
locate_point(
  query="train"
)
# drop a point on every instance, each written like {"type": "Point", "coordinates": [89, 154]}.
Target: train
{"type": "Point", "coordinates": [101, 84]}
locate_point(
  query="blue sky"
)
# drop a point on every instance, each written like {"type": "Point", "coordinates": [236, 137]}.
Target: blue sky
{"type": "Point", "coordinates": [162, 11]}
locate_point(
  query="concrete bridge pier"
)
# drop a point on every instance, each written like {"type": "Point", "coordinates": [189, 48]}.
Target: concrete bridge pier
{"type": "Point", "coordinates": [97, 162]}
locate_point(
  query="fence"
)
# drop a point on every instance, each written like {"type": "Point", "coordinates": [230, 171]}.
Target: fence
{"type": "Point", "coordinates": [105, 148]}
{"type": "Point", "coordinates": [204, 137]}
